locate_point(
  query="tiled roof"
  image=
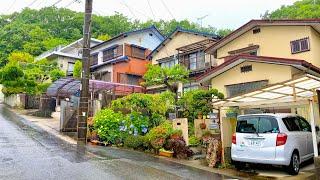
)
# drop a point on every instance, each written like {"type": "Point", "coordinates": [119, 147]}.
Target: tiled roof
{"type": "Point", "coordinates": [263, 59]}
{"type": "Point", "coordinates": [179, 29]}
{"type": "Point", "coordinates": [125, 34]}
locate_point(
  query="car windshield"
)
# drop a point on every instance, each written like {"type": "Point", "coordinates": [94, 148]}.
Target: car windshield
{"type": "Point", "coordinates": [257, 124]}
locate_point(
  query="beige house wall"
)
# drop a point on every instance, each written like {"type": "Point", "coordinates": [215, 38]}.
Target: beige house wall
{"type": "Point", "coordinates": [275, 41]}
{"type": "Point", "coordinates": [260, 71]}
{"type": "Point", "coordinates": [179, 40]}
{"type": "Point", "coordinates": [63, 61]}
{"type": "Point", "coordinates": [315, 47]}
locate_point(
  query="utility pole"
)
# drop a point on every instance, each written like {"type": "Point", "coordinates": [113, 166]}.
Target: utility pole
{"type": "Point", "coordinates": [84, 95]}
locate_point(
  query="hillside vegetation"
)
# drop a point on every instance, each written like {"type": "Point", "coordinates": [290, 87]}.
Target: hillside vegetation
{"type": "Point", "coordinates": [36, 31]}
{"type": "Point", "coordinates": [305, 9]}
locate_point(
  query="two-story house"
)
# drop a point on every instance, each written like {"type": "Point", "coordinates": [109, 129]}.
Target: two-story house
{"type": "Point", "coordinates": [264, 52]}
{"type": "Point", "coordinates": [123, 58]}
{"type": "Point", "coordinates": [184, 47]}
{"type": "Point", "coordinates": [65, 56]}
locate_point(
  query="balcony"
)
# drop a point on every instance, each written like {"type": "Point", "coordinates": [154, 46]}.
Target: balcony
{"type": "Point", "coordinates": [197, 61]}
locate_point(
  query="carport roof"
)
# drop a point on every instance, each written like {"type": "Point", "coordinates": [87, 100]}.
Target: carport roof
{"type": "Point", "coordinates": [66, 87]}
{"type": "Point", "coordinates": [297, 89]}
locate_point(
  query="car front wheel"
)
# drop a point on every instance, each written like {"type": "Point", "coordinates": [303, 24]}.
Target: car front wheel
{"type": "Point", "coordinates": [294, 167]}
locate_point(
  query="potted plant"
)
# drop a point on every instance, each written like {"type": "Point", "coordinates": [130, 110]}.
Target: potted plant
{"type": "Point", "coordinates": [94, 139]}
{"type": "Point", "coordinates": [203, 125]}
{"type": "Point", "coordinates": [165, 153]}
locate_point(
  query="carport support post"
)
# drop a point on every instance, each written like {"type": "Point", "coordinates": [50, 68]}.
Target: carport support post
{"type": "Point", "coordinates": [313, 128]}
{"type": "Point", "coordinates": [221, 134]}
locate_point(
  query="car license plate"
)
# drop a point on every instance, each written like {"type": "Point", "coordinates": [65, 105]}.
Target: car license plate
{"type": "Point", "coordinates": [255, 143]}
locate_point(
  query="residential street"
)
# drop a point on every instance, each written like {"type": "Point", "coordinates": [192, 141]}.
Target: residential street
{"type": "Point", "coordinates": [30, 153]}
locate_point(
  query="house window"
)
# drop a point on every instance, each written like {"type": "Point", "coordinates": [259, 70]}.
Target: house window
{"type": "Point", "coordinates": [190, 88]}
{"type": "Point", "coordinates": [70, 68]}
{"type": "Point", "coordinates": [245, 69]}
{"type": "Point", "coordinates": [236, 89]}
{"type": "Point", "coordinates": [256, 30]}
{"type": "Point", "coordinates": [138, 52]}
{"type": "Point", "coordinates": [193, 61]}
{"type": "Point", "coordinates": [94, 60]}
{"type": "Point", "coordinates": [129, 79]}
{"type": "Point", "coordinates": [169, 64]}
{"type": "Point", "coordinates": [103, 76]}
{"type": "Point", "coordinates": [110, 53]}
{"type": "Point", "coordinates": [300, 45]}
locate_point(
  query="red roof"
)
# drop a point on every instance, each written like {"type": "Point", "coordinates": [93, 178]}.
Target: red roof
{"type": "Point", "coordinates": [263, 59]}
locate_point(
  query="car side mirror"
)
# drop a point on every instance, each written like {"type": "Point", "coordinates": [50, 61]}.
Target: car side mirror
{"type": "Point", "coordinates": [317, 129]}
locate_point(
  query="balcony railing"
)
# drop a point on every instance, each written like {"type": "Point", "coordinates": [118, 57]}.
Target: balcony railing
{"type": "Point", "coordinates": [41, 56]}
{"type": "Point", "coordinates": [197, 64]}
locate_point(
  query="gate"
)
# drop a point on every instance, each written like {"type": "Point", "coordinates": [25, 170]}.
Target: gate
{"type": "Point", "coordinates": [32, 101]}
{"type": "Point", "coordinates": [68, 117]}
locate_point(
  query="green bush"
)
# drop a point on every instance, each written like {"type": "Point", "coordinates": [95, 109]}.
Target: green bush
{"type": "Point", "coordinates": [107, 123]}
{"type": "Point", "coordinates": [134, 142]}
{"type": "Point", "coordinates": [194, 141]}
{"type": "Point", "coordinates": [157, 136]}
{"type": "Point", "coordinates": [152, 106]}
{"type": "Point", "coordinates": [138, 122]}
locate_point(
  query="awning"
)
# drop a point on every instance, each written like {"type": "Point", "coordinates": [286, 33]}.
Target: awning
{"type": "Point", "coordinates": [66, 87]}
{"type": "Point", "coordinates": [297, 89]}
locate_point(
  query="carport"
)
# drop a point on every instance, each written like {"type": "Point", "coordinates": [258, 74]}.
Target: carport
{"type": "Point", "coordinates": [298, 92]}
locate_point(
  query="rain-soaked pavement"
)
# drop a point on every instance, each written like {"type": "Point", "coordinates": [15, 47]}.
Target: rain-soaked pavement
{"type": "Point", "coordinates": [27, 152]}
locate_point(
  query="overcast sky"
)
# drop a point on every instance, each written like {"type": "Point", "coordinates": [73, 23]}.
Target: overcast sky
{"type": "Point", "coordinates": [217, 13]}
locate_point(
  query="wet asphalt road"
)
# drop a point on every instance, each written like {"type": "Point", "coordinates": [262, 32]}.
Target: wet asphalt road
{"type": "Point", "coordinates": [27, 152]}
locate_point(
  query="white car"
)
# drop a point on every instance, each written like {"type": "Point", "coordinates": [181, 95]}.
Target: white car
{"type": "Point", "coordinates": [277, 139]}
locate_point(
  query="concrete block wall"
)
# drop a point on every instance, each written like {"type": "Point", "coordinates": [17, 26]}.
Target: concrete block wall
{"type": "Point", "coordinates": [15, 100]}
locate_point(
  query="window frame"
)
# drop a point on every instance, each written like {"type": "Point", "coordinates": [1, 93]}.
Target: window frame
{"type": "Point", "coordinates": [246, 68]}
{"type": "Point", "coordinates": [113, 53]}
{"type": "Point", "coordinates": [299, 42]}
{"type": "Point", "coordinates": [138, 52]}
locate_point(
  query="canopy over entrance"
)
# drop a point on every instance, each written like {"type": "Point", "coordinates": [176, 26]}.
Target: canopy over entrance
{"type": "Point", "coordinates": [66, 87]}
{"type": "Point", "coordinates": [299, 89]}
{"type": "Point", "coordinates": [296, 92]}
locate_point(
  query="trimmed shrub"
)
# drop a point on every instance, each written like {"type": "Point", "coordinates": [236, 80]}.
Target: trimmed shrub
{"type": "Point", "coordinates": [158, 135]}
{"type": "Point", "coordinates": [134, 142]}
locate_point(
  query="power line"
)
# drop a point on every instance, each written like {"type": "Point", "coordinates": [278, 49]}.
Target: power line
{"type": "Point", "coordinates": [154, 17]}
{"type": "Point", "coordinates": [164, 4]}
{"type": "Point", "coordinates": [11, 6]}
{"type": "Point", "coordinates": [32, 3]}
{"type": "Point", "coordinates": [56, 3]}
{"type": "Point", "coordinates": [41, 2]}
{"type": "Point", "coordinates": [130, 10]}
{"type": "Point", "coordinates": [73, 1]}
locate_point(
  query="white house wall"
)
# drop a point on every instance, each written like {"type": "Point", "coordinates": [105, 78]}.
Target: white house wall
{"type": "Point", "coordinates": [142, 39]}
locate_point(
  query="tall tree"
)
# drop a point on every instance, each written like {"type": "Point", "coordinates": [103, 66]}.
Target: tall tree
{"type": "Point", "coordinates": [170, 77]}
